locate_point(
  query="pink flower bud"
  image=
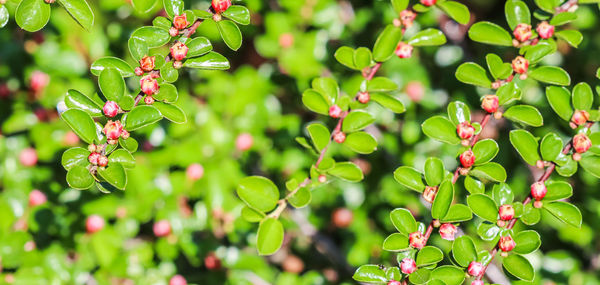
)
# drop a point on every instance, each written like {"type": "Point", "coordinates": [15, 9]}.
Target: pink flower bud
{"type": "Point", "coordinates": [364, 97]}
{"type": "Point", "coordinates": [545, 30]}
{"type": "Point", "coordinates": [212, 262]}
{"type": "Point", "coordinates": [161, 228]}
{"type": "Point", "coordinates": [335, 111]}
{"type": "Point", "coordinates": [339, 137]}
{"type": "Point", "coordinates": [342, 218]}
{"type": "Point", "coordinates": [94, 223]}
{"type": "Point", "coordinates": [522, 32]}
{"type": "Point", "coordinates": [448, 231]}
{"type": "Point", "coordinates": [581, 143]}
{"type": "Point", "coordinates": [36, 198]}
{"type": "Point", "coordinates": [177, 279]}
{"type": "Point", "coordinates": [580, 117]}
{"type": "Point", "coordinates": [194, 172]}
{"type": "Point", "coordinates": [404, 50]}
{"type": "Point", "coordinates": [477, 282]}
{"type": "Point", "coordinates": [110, 109]}
{"type": "Point", "coordinates": [139, 71]}
{"type": "Point", "coordinates": [538, 190]}
{"type": "Point", "coordinates": [147, 63]}
{"type": "Point", "coordinates": [286, 40]}
{"type": "Point", "coordinates": [520, 65]}
{"type": "Point", "coordinates": [417, 240]}
{"type": "Point", "coordinates": [102, 161]}
{"type": "Point", "coordinates": [92, 148]}
{"type": "Point", "coordinates": [148, 100]}
{"type": "Point", "coordinates": [125, 134]}
{"type": "Point", "coordinates": [506, 212]}
{"type": "Point", "coordinates": [415, 91]}
{"type": "Point", "coordinates": [221, 5]}
{"type": "Point", "coordinates": [179, 51]}
{"type": "Point", "coordinates": [408, 266]}
{"type": "Point", "coordinates": [244, 142]}
{"type": "Point", "coordinates": [322, 178]}
{"type": "Point", "coordinates": [173, 32]}
{"type": "Point", "coordinates": [113, 129]}
{"type": "Point", "coordinates": [506, 243]}
{"type": "Point", "coordinates": [465, 130]}
{"type": "Point", "coordinates": [467, 158]}
{"type": "Point", "coordinates": [394, 282]}
{"type": "Point", "coordinates": [490, 103]}
{"type": "Point", "coordinates": [428, 2]}
{"type": "Point", "coordinates": [93, 158]}
{"type": "Point", "coordinates": [28, 157]}
{"type": "Point", "coordinates": [180, 22]}
{"type": "Point", "coordinates": [407, 17]}
{"type": "Point", "coordinates": [177, 64]}
{"type": "Point", "coordinates": [39, 80]}
{"type": "Point", "coordinates": [148, 85]}
{"type": "Point", "coordinates": [475, 268]}
{"type": "Point", "coordinates": [429, 193]}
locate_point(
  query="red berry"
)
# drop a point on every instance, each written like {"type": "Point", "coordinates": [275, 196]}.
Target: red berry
{"type": "Point", "coordinates": [407, 17]}
{"type": "Point", "coordinates": [428, 2]}
{"type": "Point", "coordinates": [102, 161]}
{"type": "Point", "coordinates": [408, 265]}
{"type": "Point", "coordinates": [161, 228]}
{"type": "Point", "coordinates": [212, 262]}
{"type": "Point", "coordinates": [342, 218]}
{"type": "Point", "coordinates": [179, 51]}
{"type": "Point", "coordinates": [244, 142]}
{"type": "Point", "coordinates": [448, 231]}
{"type": "Point", "coordinates": [147, 63]}
{"type": "Point", "coordinates": [221, 5]}
{"type": "Point", "coordinates": [506, 212]}
{"type": "Point", "coordinates": [522, 32]}
{"type": "Point", "coordinates": [538, 190]}
{"type": "Point", "coordinates": [520, 65]}
{"type": "Point", "coordinates": [110, 109]}
{"type": "Point", "coordinates": [335, 111]}
{"type": "Point", "coordinates": [475, 268]}
{"type": "Point", "coordinates": [36, 198]}
{"type": "Point", "coordinates": [28, 157]}
{"type": "Point", "coordinates": [465, 130]}
{"type": "Point", "coordinates": [339, 137]}
{"type": "Point", "coordinates": [404, 50]}
{"type": "Point", "coordinates": [148, 85]}
{"type": "Point", "coordinates": [506, 243]}
{"type": "Point", "coordinates": [94, 223]}
{"type": "Point", "coordinates": [180, 22]}
{"type": "Point", "coordinates": [93, 158]}
{"type": "Point", "coordinates": [417, 240]}
{"type": "Point", "coordinates": [581, 143]}
{"type": "Point", "coordinates": [467, 158]}
{"type": "Point", "coordinates": [177, 280]}
{"type": "Point", "coordinates": [580, 117]}
{"type": "Point", "coordinates": [194, 172]}
{"type": "Point", "coordinates": [545, 30]}
{"type": "Point", "coordinates": [113, 129]}
{"type": "Point", "coordinates": [490, 103]}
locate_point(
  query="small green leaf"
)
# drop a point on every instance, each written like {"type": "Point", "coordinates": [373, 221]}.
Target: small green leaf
{"type": "Point", "coordinates": [301, 198]}
{"type": "Point", "coordinates": [457, 213]}
{"type": "Point", "coordinates": [572, 37]}
{"type": "Point", "coordinates": [77, 100]}
{"type": "Point", "coordinates": [152, 36]}
{"type": "Point", "coordinates": [490, 33]}
{"type": "Point", "coordinates": [485, 151]}
{"type": "Point", "coordinates": [536, 53]}
{"type": "Point", "coordinates": [483, 206]}
{"type": "Point", "coordinates": [441, 129]}
{"type": "Point", "coordinates": [80, 11]}
{"type": "Point", "coordinates": [386, 43]}
{"type": "Point", "coordinates": [490, 171]}
{"type": "Point", "coordinates": [502, 194]}
{"type": "Point", "coordinates": [508, 92]}
{"type": "Point", "coordinates": [327, 86]}
{"type": "Point", "coordinates": [519, 267]}
{"type": "Point", "coordinates": [356, 121]}
{"type": "Point", "coordinates": [563, 18]}
{"type": "Point", "coordinates": [315, 102]}
{"type": "Point", "coordinates": [421, 276]}
{"type": "Point", "coordinates": [3, 16]}
{"type": "Point", "coordinates": [410, 178]}
{"type": "Point", "coordinates": [166, 92]}
{"type": "Point", "coordinates": [450, 275]}
{"type": "Point", "coordinates": [111, 62]}
{"type": "Point", "coordinates": [497, 67]}
{"type": "Point", "coordinates": [347, 171]}
{"type": "Point", "coordinates": [565, 212]}
{"type": "Point", "coordinates": [319, 135]}
{"type": "Point", "coordinates": [173, 7]}
{"type": "Point", "coordinates": [143, 6]}
{"type": "Point", "coordinates": [550, 147]}
{"type": "Point", "coordinates": [114, 174]}
{"type": "Point", "coordinates": [458, 112]}
{"type": "Point", "coordinates": [396, 242]}
{"type": "Point", "coordinates": [361, 142]}
{"type": "Point", "coordinates": [269, 237]}
{"type": "Point", "coordinates": [472, 73]}
{"type": "Point", "coordinates": [488, 231]}
{"type": "Point", "coordinates": [209, 61]}
{"type": "Point", "coordinates": [527, 242]}
{"type": "Point", "coordinates": [362, 57]}
{"type": "Point", "coordinates": [428, 37]}
{"type": "Point", "coordinates": [443, 200]}
{"type": "Point", "coordinates": [551, 74]}
{"type": "Point", "coordinates": [560, 101]}
{"type": "Point", "coordinates": [524, 114]}
{"type": "Point", "coordinates": [32, 15]}
{"type": "Point", "coordinates": [345, 56]}
{"type": "Point", "coordinates": [140, 117]}
{"type": "Point", "coordinates": [474, 186]}
{"type": "Point", "coordinates": [389, 102]}
{"type": "Point", "coordinates": [546, 5]}
{"type": "Point", "coordinates": [75, 156]}
{"type": "Point", "coordinates": [111, 84]}
{"type": "Point", "coordinates": [457, 11]}
{"type": "Point", "coordinates": [516, 12]}
{"type": "Point", "coordinates": [171, 112]}
{"type": "Point", "coordinates": [79, 177]}
{"type": "Point", "coordinates": [381, 84]}
{"type": "Point", "coordinates": [558, 190]}
{"type": "Point", "coordinates": [258, 192]}
{"type": "Point", "coordinates": [404, 221]}
{"type": "Point", "coordinates": [434, 171]}
{"type": "Point", "coordinates": [251, 215]}
{"type": "Point", "coordinates": [370, 273]}
{"type": "Point", "coordinates": [231, 34]}
{"type": "Point", "coordinates": [123, 157]}
{"type": "Point", "coordinates": [81, 123]}
{"type": "Point", "coordinates": [531, 215]}
{"type": "Point", "coordinates": [526, 145]}
{"type": "Point", "coordinates": [582, 96]}
{"type": "Point", "coordinates": [591, 164]}
{"type": "Point", "coordinates": [463, 250]}
{"type": "Point", "coordinates": [399, 5]}
{"type": "Point", "coordinates": [569, 167]}
{"type": "Point", "coordinates": [130, 144]}
{"type": "Point", "coordinates": [198, 46]}
{"type": "Point", "coordinates": [238, 13]}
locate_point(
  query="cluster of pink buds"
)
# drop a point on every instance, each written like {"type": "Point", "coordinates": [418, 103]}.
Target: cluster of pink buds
{"type": "Point", "coordinates": [429, 193]}
{"type": "Point", "coordinates": [408, 266]}
{"type": "Point", "coordinates": [363, 97]}
{"type": "Point", "coordinates": [520, 65]}
{"type": "Point", "coordinates": [417, 240]}
{"type": "Point", "coordinates": [113, 130]}
{"type": "Point", "coordinates": [490, 103]}
{"type": "Point", "coordinates": [147, 64]}
{"type": "Point", "coordinates": [545, 30]}
{"type": "Point", "coordinates": [178, 52]}
{"type": "Point", "coordinates": [467, 158]}
{"type": "Point", "coordinates": [465, 131]}
{"type": "Point", "coordinates": [506, 244]}
{"type": "Point", "coordinates": [404, 50]}
{"type": "Point", "coordinates": [475, 268]}
{"type": "Point", "coordinates": [448, 231]}
{"type": "Point", "coordinates": [407, 17]}
{"type": "Point", "coordinates": [428, 3]}
{"type": "Point", "coordinates": [220, 6]}
{"type": "Point", "coordinates": [579, 118]}
{"type": "Point", "coordinates": [581, 144]}
{"type": "Point", "coordinates": [522, 33]}
{"type": "Point", "coordinates": [149, 85]}
{"type": "Point", "coordinates": [96, 157]}
{"type": "Point", "coordinates": [180, 22]}
{"type": "Point", "coordinates": [538, 192]}
{"type": "Point", "coordinates": [111, 109]}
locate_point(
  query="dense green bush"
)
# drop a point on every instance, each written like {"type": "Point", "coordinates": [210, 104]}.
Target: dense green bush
{"type": "Point", "coordinates": [297, 133]}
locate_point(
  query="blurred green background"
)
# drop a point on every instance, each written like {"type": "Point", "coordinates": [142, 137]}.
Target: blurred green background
{"type": "Point", "coordinates": [288, 43]}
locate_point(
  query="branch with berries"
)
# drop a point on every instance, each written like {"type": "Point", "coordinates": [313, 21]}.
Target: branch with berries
{"type": "Point", "coordinates": [105, 120]}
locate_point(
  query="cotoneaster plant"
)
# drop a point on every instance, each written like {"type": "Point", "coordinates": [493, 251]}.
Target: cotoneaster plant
{"type": "Point", "coordinates": [105, 120]}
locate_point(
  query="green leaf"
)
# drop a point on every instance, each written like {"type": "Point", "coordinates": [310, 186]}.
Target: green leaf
{"type": "Point", "coordinates": [441, 129]}
{"type": "Point", "coordinates": [111, 62]}
{"type": "Point", "coordinates": [114, 174]}
{"type": "Point", "coordinates": [301, 198]}
{"type": "Point", "coordinates": [485, 151]}
{"type": "Point", "coordinates": [457, 11]}
{"type": "Point", "coordinates": [565, 212]}
{"type": "Point", "coordinates": [472, 73]}
{"type": "Point", "coordinates": [79, 177]}
{"type": "Point", "coordinates": [421, 276]}
{"type": "Point", "coordinates": [508, 93]}
{"type": "Point", "coordinates": [269, 237]}
{"type": "Point", "coordinates": [531, 215]}
{"type": "Point", "coordinates": [568, 168]}
{"type": "Point", "coordinates": [369, 273]}
{"type": "Point", "coordinates": [516, 12]}
{"type": "Point", "coordinates": [551, 74]}
{"type": "Point", "coordinates": [362, 57]}
{"type": "Point", "coordinates": [315, 102]}
{"type": "Point", "coordinates": [237, 13]}
{"type": "Point", "coordinates": [450, 275]}
{"type": "Point", "coordinates": [490, 33]}
{"type": "Point", "coordinates": [582, 96]}
{"type": "Point", "coordinates": [111, 84]}
{"type": "Point", "coordinates": [526, 145]}
{"type": "Point", "coordinates": [393, 273]}
{"type": "Point", "coordinates": [141, 116]}
{"type": "Point", "coordinates": [169, 74]}
{"type": "Point", "coordinates": [32, 15]}
{"type": "Point", "coordinates": [524, 114]}
{"type": "Point", "coordinates": [381, 84]}
{"type": "Point", "coordinates": [410, 178]}
{"type": "Point", "coordinates": [547, 5]}
{"type": "Point", "coordinates": [356, 121]}
{"type": "Point", "coordinates": [81, 123]}
{"type": "Point", "coordinates": [231, 34]}
{"type": "Point", "coordinates": [489, 171]}
{"type": "Point", "coordinates": [396, 242]}
{"type": "Point", "coordinates": [173, 7]}
{"type": "Point", "coordinates": [77, 100]}
{"type": "Point", "coordinates": [319, 135]}
{"type": "Point", "coordinates": [251, 215]}
{"type": "Point", "coordinates": [572, 37]}
{"type": "Point", "coordinates": [328, 88]}
{"type": "Point", "coordinates": [536, 53]}
{"type": "Point", "coordinates": [123, 157]}
{"type": "Point", "coordinates": [563, 18]}
{"type": "Point", "coordinates": [551, 147]}
{"type": "Point", "coordinates": [143, 6]}
{"type": "Point", "coordinates": [361, 142]}
{"type": "Point", "coordinates": [560, 101]}
{"type": "Point", "coordinates": [160, 21]}
{"type": "Point", "coordinates": [345, 56]}
{"type": "Point", "coordinates": [404, 221]}
{"type": "Point", "coordinates": [591, 164]}
{"type": "Point", "coordinates": [75, 156]}
{"type": "Point", "coordinates": [502, 194]}
{"type": "Point", "coordinates": [428, 37]}
{"type": "Point", "coordinates": [209, 61]}
{"type": "Point", "coordinates": [527, 242]}
{"type": "Point", "coordinates": [474, 186]}
{"type": "Point", "coordinates": [497, 67]}
{"type": "Point", "coordinates": [347, 171]}
{"type": "Point", "coordinates": [198, 46]}
{"type": "Point", "coordinates": [558, 190]}
{"type": "Point", "coordinates": [463, 250]}
{"type": "Point", "coordinates": [457, 213]}
{"type": "Point", "coordinates": [519, 267]}
{"type": "Point", "coordinates": [80, 11]}
{"type": "Point", "coordinates": [434, 171]}
{"type": "Point", "coordinates": [166, 92]}
{"type": "Point", "coordinates": [258, 192]}
{"type": "Point", "coordinates": [458, 112]}
{"type": "Point", "coordinates": [483, 206]}
{"type": "Point", "coordinates": [389, 102]}
{"type": "Point", "coordinates": [130, 144]}
{"type": "Point", "coordinates": [429, 255]}
{"type": "Point", "coordinates": [443, 200]}
{"type": "Point", "coordinates": [386, 43]}
{"type": "Point", "coordinates": [3, 16]}
{"type": "Point", "coordinates": [399, 5]}
{"type": "Point", "coordinates": [171, 112]}
{"type": "Point", "coordinates": [488, 231]}
{"type": "Point", "coordinates": [152, 36]}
